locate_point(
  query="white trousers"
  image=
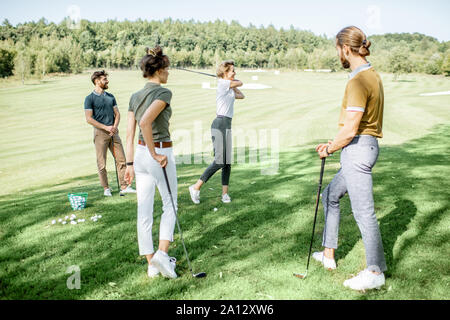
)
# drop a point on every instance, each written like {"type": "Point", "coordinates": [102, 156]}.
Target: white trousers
{"type": "Point", "coordinates": [149, 175]}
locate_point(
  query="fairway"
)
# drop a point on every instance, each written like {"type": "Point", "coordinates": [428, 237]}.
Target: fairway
{"type": "Point", "coordinates": [249, 248]}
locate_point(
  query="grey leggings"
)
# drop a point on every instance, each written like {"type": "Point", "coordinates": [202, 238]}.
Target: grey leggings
{"type": "Point", "coordinates": [221, 138]}
{"type": "Point", "coordinates": [355, 178]}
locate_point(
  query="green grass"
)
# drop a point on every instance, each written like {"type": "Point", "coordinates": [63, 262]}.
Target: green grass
{"type": "Point", "coordinates": [250, 247]}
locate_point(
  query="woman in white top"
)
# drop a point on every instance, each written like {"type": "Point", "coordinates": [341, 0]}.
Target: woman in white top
{"type": "Point", "coordinates": [227, 92]}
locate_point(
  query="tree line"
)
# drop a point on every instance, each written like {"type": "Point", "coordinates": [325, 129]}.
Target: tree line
{"type": "Point", "coordinates": [39, 48]}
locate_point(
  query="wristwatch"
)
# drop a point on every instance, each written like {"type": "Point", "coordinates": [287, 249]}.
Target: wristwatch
{"type": "Point", "coordinates": [129, 163]}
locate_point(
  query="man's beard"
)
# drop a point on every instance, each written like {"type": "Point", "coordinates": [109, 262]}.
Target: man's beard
{"type": "Point", "coordinates": [345, 63]}
{"type": "Point", "coordinates": [104, 86]}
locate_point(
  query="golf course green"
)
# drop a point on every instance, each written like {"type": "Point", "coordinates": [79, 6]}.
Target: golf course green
{"type": "Point", "coordinates": [249, 248]}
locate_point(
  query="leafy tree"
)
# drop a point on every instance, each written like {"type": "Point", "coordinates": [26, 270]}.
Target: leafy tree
{"type": "Point", "coordinates": [6, 62]}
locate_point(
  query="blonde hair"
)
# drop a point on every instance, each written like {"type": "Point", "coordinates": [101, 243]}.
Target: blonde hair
{"type": "Point", "coordinates": [224, 67]}
{"type": "Point", "coordinates": [355, 39]}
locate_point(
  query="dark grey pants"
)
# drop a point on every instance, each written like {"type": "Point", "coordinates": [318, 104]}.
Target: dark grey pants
{"type": "Point", "coordinates": [355, 177]}
{"type": "Point", "coordinates": [221, 139]}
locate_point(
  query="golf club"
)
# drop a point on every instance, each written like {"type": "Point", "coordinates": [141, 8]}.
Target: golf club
{"type": "Point", "coordinates": [203, 73]}
{"type": "Point", "coordinates": [115, 165]}
{"type": "Point", "coordinates": [195, 275]}
{"type": "Point", "coordinates": [303, 275]}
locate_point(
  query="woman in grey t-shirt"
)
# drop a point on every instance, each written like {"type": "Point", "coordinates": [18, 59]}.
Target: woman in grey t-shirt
{"type": "Point", "coordinates": [150, 108]}
{"type": "Point", "coordinates": [227, 92]}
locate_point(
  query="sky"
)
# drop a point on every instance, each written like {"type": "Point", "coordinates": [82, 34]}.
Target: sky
{"type": "Point", "coordinates": [429, 17]}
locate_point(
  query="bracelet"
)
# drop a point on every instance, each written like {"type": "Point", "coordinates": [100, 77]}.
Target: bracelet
{"type": "Point", "coordinates": [129, 163]}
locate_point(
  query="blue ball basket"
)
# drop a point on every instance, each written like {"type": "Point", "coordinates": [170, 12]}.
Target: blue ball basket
{"type": "Point", "coordinates": [78, 200]}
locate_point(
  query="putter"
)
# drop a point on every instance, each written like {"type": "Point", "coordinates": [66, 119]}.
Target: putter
{"type": "Point", "coordinates": [303, 275]}
{"type": "Point", "coordinates": [195, 275]}
{"type": "Point", "coordinates": [115, 165]}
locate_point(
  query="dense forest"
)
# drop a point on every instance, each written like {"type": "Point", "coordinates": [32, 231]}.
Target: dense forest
{"type": "Point", "coordinates": [38, 48]}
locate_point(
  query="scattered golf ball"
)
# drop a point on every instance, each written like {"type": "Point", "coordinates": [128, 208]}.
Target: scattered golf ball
{"type": "Point", "coordinates": [64, 222]}
{"type": "Point", "coordinates": [73, 222]}
{"type": "Point", "coordinates": [99, 217]}
{"type": "Point", "coordinates": [67, 217]}
{"type": "Point", "coordinates": [59, 220]}
{"type": "Point", "coordinates": [215, 209]}
{"type": "Point", "coordinates": [53, 221]}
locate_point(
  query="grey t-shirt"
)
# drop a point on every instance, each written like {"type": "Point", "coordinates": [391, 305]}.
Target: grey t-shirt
{"type": "Point", "coordinates": [141, 100]}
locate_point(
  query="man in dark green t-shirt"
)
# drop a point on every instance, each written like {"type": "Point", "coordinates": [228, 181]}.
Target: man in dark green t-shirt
{"type": "Point", "coordinates": [102, 113]}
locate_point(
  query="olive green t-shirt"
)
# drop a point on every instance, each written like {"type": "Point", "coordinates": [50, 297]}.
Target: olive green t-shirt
{"type": "Point", "coordinates": [364, 93]}
{"type": "Point", "coordinates": [141, 100]}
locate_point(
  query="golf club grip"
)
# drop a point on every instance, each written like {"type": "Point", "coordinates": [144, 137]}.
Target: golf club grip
{"type": "Point", "coordinates": [167, 180]}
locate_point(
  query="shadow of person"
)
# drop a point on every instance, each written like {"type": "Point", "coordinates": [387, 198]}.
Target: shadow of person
{"type": "Point", "coordinates": [392, 226]}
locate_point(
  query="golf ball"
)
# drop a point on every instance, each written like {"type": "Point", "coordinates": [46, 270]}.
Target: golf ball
{"type": "Point", "coordinates": [215, 209]}
{"type": "Point", "coordinates": [53, 221]}
{"type": "Point", "coordinates": [67, 217]}
{"type": "Point", "coordinates": [59, 220]}
{"type": "Point", "coordinates": [64, 222]}
{"type": "Point", "coordinates": [99, 217]}
{"type": "Point", "coordinates": [73, 222]}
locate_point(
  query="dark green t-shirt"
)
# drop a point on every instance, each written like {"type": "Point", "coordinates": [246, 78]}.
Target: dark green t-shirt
{"type": "Point", "coordinates": [141, 100]}
{"type": "Point", "coordinates": [102, 106]}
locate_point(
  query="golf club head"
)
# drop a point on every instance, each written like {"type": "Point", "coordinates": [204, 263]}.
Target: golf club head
{"type": "Point", "coordinates": [122, 195]}
{"type": "Point", "coordinates": [199, 275]}
{"type": "Point", "coordinates": [301, 275]}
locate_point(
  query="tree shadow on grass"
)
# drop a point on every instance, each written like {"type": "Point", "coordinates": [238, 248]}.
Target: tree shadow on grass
{"type": "Point", "coordinates": [33, 260]}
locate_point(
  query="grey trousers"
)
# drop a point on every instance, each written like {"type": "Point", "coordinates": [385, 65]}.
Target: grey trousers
{"type": "Point", "coordinates": [355, 178]}
{"type": "Point", "coordinates": [222, 139]}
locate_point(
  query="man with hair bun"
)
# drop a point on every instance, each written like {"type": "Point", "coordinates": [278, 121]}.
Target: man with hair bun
{"type": "Point", "coordinates": [360, 125]}
{"type": "Point", "coordinates": [101, 111]}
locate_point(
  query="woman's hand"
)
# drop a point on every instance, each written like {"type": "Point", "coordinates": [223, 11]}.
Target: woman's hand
{"type": "Point", "coordinates": [161, 159]}
{"type": "Point", "coordinates": [129, 174]}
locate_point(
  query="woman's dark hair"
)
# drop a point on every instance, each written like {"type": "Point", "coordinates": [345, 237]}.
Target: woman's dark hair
{"type": "Point", "coordinates": [153, 61]}
{"type": "Point", "coordinates": [98, 74]}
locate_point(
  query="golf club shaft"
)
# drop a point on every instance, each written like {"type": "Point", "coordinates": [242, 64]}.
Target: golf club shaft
{"type": "Point", "coordinates": [203, 73]}
{"type": "Point", "coordinates": [315, 213]}
{"type": "Point", "coordinates": [115, 163]}
{"type": "Point", "coordinates": [176, 218]}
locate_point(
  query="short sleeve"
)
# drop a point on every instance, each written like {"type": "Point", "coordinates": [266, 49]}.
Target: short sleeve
{"type": "Point", "coordinates": [130, 105]}
{"type": "Point", "coordinates": [223, 86]}
{"type": "Point", "coordinates": [114, 102]}
{"type": "Point", "coordinates": [88, 103]}
{"type": "Point", "coordinates": [357, 96]}
{"type": "Point", "coordinates": [165, 95]}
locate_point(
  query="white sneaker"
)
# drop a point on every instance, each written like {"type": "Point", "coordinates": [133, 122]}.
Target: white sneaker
{"type": "Point", "coordinates": [328, 263]}
{"type": "Point", "coordinates": [153, 272]}
{"type": "Point", "coordinates": [195, 194]}
{"type": "Point", "coordinates": [365, 280]}
{"type": "Point", "coordinates": [107, 193]}
{"type": "Point", "coordinates": [164, 264]}
{"type": "Point", "coordinates": [226, 198]}
{"type": "Point", "coordinates": [128, 189]}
